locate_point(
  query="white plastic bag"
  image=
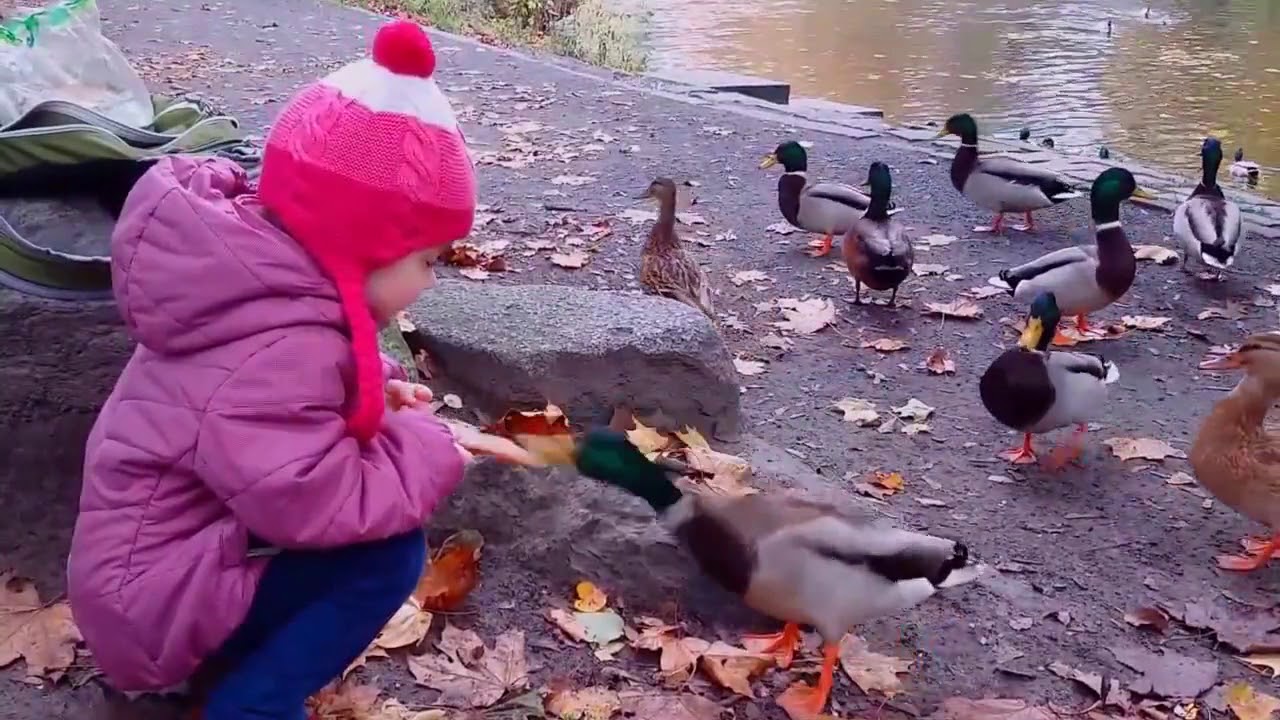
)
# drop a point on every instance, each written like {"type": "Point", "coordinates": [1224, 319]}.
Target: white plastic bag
{"type": "Point", "coordinates": [59, 53]}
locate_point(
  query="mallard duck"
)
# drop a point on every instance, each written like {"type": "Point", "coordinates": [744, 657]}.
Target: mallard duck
{"type": "Point", "coordinates": [1208, 225]}
{"type": "Point", "coordinates": [798, 561]}
{"type": "Point", "coordinates": [1244, 169]}
{"type": "Point", "coordinates": [1086, 278]}
{"type": "Point", "coordinates": [1235, 456]}
{"type": "Point", "coordinates": [827, 208]}
{"type": "Point", "coordinates": [877, 250]}
{"type": "Point", "coordinates": [1001, 184]}
{"type": "Point", "coordinates": [665, 268]}
{"type": "Point", "coordinates": [1034, 390]}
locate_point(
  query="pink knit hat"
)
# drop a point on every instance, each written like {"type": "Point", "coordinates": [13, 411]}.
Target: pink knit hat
{"type": "Point", "coordinates": [363, 168]}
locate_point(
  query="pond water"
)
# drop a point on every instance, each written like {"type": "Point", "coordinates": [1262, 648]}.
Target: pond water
{"type": "Point", "coordinates": [1169, 72]}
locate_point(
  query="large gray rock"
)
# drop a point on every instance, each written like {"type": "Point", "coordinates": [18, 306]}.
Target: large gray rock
{"type": "Point", "coordinates": [587, 351]}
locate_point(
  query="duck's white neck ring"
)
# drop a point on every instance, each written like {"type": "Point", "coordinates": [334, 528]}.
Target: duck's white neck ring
{"type": "Point", "coordinates": [1114, 224]}
{"type": "Point", "coordinates": [972, 145]}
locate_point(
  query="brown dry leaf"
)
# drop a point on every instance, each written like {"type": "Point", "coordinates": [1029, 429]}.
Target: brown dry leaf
{"type": "Point", "coordinates": [991, 709]}
{"type": "Point", "coordinates": [748, 276]}
{"type": "Point", "coordinates": [573, 259]}
{"type": "Point", "coordinates": [590, 598]}
{"type": "Point", "coordinates": [451, 575]}
{"type": "Point", "coordinates": [1167, 674]}
{"type": "Point", "coordinates": [640, 705]}
{"type": "Point", "coordinates": [1271, 661]}
{"type": "Point", "coordinates": [593, 703]}
{"type": "Point", "coordinates": [962, 308]}
{"type": "Point", "coordinates": [362, 660]}
{"type": "Point", "coordinates": [1161, 255]}
{"type": "Point", "coordinates": [728, 472]}
{"type": "Point", "coordinates": [748, 367]}
{"type": "Point", "coordinates": [406, 628]}
{"type": "Point", "coordinates": [345, 701]}
{"type": "Point", "coordinates": [871, 671]}
{"type": "Point", "coordinates": [794, 701]}
{"type": "Point", "coordinates": [1106, 688]}
{"type": "Point", "coordinates": [939, 362]}
{"type": "Point", "coordinates": [481, 443]}
{"type": "Point", "coordinates": [982, 292]}
{"type": "Point", "coordinates": [1148, 617]}
{"type": "Point", "coordinates": [1142, 448]}
{"type": "Point", "coordinates": [805, 317]}
{"type": "Point", "coordinates": [734, 668]}
{"type": "Point", "coordinates": [1244, 630]}
{"type": "Point", "coordinates": [1144, 322]}
{"type": "Point", "coordinates": [1249, 704]}
{"type": "Point", "coordinates": [44, 635]}
{"type": "Point", "coordinates": [545, 434]}
{"type": "Point", "coordinates": [858, 411]}
{"type": "Point", "coordinates": [650, 635]}
{"type": "Point", "coordinates": [680, 658]}
{"type": "Point", "coordinates": [572, 180]}
{"type": "Point", "coordinates": [885, 345]}
{"type": "Point", "coordinates": [568, 623]}
{"type": "Point", "coordinates": [646, 439]}
{"type": "Point", "coordinates": [474, 273]}
{"type": "Point", "coordinates": [692, 438]}
{"type": "Point", "coordinates": [467, 255]}
{"type": "Point", "coordinates": [881, 485]}
{"type": "Point", "coordinates": [477, 681]}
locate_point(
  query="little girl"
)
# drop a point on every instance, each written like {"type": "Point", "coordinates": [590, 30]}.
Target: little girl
{"type": "Point", "coordinates": [247, 503]}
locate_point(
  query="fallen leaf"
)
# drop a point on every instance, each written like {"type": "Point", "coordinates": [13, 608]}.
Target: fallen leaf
{"type": "Point", "coordinates": [925, 269]}
{"type": "Point", "coordinates": [962, 308]}
{"type": "Point", "coordinates": [871, 671]}
{"type": "Point", "coordinates": [1246, 631]}
{"type": "Point", "coordinates": [590, 597]}
{"type": "Point", "coordinates": [1271, 661]}
{"type": "Point", "coordinates": [597, 628]}
{"type": "Point", "coordinates": [470, 257]}
{"type": "Point", "coordinates": [572, 180]}
{"type": "Point", "coordinates": [776, 342]}
{"type": "Point", "coordinates": [593, 703]}
{"type": "Point", "coordinates": [734, 668]}
{"type": "Point", "coordinates": [42, 634]}
{"type": "Point", "coordinates": [523, 127]}
{"type": "Point", "coordinates": [781, 228]}
{"type": "Point", "coordinates": [728, 472]}
{"type": "Point", "coordinates": [646, 439]}
{"type": "Point", "coordinates": [858, 411]}
{"type": "Point", "coordinates": [805, 317]}
{"type": "Point", "coordinates": [1104, 687]}
{"type": "Point", "coordinates": [991, 709]}
{"type": "Point", "coordinates": [343, 700]}
{"type": "Point", "coordinates": [1180, 478]}
{"type": "Point", "coordinates": [1161, 255]}
{"type": "Point", "coordinates": [692, 438]}
{"type": "Point", "coordinates": [795, 701]}
{"type": "Point", "coordinates": [885, 345]}
{"type": "Point", "coordinates": [1168, 674]}
{"type": "Point", "coordinates": [451, 574]}
{"type": "Point", "coordinates": [748, 367]}
{"type": "Point", "coordinates": [748, 276]}
{"type": "Point", "coordinates": [1249, 704]}
{"type": "Point", "coordinates": [1148, 617]}
{"type": "Point", "coordinates": [1022, 623]}
{"type": "Point", "coordinates": [668, 706]}
{"type": "Point", "coordinates": [679, 658]}
{"type": "Point", "coordinates": [914, 410]}
{"type": "Point", "coordinates": [573, 259]}
{"type": "Point", "coordinates": [1144, 322]}
{"type": "Point", "coordinates": [1143, 448]}
{"type": "Point", "coordinates": [406, 628]}
{"type": "Point", "coordinates": [983, 292]}
{"type": "Point", "coordinates": [939, 362]}
{"type": "Point", "coordinates": [915, 428]}
{"type": "Point", "coordinates": [475, 682]}
{"type": "Point", "coordinates": [935, 240]}
{"type": "Point", "coordinates": [474, 273]}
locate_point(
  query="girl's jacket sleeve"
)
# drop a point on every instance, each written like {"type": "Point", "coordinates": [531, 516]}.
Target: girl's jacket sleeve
{"type": "Point", "coordinates": [273, 446]}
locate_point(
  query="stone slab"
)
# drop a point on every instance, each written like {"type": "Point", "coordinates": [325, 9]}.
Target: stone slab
{"type": "Point", "coordinates": [587, 351]}
{"type": "Point", "coordinates": [774, 91]}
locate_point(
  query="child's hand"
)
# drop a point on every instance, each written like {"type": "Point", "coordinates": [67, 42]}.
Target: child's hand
{"type": "Point", "coordinates": [401, 394]}
{"type": "Point", "coordinates": [467, 457]}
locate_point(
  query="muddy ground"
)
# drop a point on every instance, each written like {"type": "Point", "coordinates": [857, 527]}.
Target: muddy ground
{"type": "Point", "coordinates": [1076, 550]}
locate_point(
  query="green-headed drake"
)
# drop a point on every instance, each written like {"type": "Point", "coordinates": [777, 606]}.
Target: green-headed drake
{"type": "Point", "coordinates": [877, 249]}
{"type": "Point", "coordinates": [1208, 225]}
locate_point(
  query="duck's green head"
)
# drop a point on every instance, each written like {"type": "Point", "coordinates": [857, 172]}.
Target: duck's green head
{"type": "Point", "coordinates": [1239, 156]}
{"type": "Point", "coordinates": [792, 156]}
{"type": "Point", "coordinates": [1210, 159]}
{"type": "Point", "coordinates": [878, 176]}
{"type": "Point", "coordinates": [608, 456]}
{"type": "Point", "coordinates": [1042, 322]}
{"type": "Point", "coordinates": [1115, 185]}
{"type": "Point", "coordinates": [963, 125]}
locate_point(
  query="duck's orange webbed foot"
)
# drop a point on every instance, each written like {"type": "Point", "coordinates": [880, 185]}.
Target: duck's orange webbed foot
{"type": "Point", "coordinates": [1257, 553]}
{"type": "Point", "coordinates": [822, 247]}
{"type": "Point", "coordinates": [1022, 455]}
{"type": "Point", "coordinates": [800, 700]}
{"type": "Point", "coordinates": [1068, 452]}
{"type": "Point", "coordinates": [782, 645]}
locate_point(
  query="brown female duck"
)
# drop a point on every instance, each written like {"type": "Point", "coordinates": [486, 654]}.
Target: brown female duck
{"type": "Point", "coordinates": [665, 268]}
{"type": "Point", "coordinates": [1235, 456]}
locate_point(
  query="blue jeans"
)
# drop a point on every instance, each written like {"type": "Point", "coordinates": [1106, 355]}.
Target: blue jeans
{"type": "Point", "coordinates": [314, 612]}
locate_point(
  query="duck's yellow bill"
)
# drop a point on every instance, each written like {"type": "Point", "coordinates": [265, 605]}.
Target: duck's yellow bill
{"type": "Point", "coordinates": [942, 133]}
{"type": "Point", "coordinates": [769, 161]}
{"type": "Point", "coordinates": [1226, 362]}
{"type": "Point", "coordinates": [1030, 337]}
{"type": "Point", "coordinates": [1143, 194]}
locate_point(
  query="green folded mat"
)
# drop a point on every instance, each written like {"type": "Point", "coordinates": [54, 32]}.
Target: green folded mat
{"type": "Point", "coordinates": [65, 254]}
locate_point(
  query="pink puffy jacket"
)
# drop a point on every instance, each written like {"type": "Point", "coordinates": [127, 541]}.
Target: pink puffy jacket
{"type": "Point", "coordinates": [227, 421]}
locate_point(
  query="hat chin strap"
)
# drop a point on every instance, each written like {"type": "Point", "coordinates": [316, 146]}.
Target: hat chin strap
{"type": "Point", "coordinates": [364, 416]}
